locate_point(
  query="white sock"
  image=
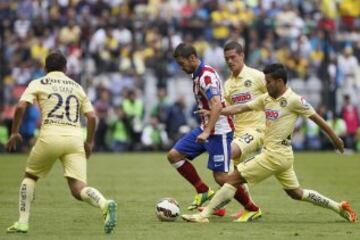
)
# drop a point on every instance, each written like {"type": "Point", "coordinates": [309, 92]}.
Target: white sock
{"type": "Point", "coordinates": [26, 195]}
{"type": "Point", "coordinates": [220, 199]}
{"type": "Point", "coordinates": [178, 164]}
{"type": "Point", "coordinates": [320, 200]}
{"type": "Point", "coordinates": [93, 197]}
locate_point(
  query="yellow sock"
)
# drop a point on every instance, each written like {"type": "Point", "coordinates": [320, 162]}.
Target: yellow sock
{"type": "Point", "coordinates": [220, 199]}
{"type": "Point", "coordinates": [26, 195]}
{"type": "Point", "coordinates": [93, 197]}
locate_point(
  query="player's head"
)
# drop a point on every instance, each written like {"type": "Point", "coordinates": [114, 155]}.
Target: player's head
{"type": "Point", "coordinates": [186, 57]}
{"type": "Point", "coordinates": [234, 56]}
{"type": "Point", "coordinates": [276, 79]}
{"type": "Point", "coordinates": [55, 61]}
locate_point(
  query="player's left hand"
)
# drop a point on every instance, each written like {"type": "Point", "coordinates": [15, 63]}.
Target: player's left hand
{"type": "Point", "coordinates": [339, 144]}
{"type": "Point", "coordinates": [202, 137]}
{"type": "Point", "coordinates": [14, 138]}
{"type": "Point", "coordinates": [88, 149]}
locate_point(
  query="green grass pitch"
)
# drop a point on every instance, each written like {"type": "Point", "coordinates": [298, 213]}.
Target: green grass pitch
{"type": "Point", "coordinates": [137, 181]}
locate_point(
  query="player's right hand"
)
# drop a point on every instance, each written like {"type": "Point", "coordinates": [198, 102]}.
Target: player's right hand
{"type": "Point", "coordinates": [339, 144]}
{"type": "Point", "coordinates": [88, 149]}
{"type": "Point", "coordinates": [202, 112]}
{"type": "Point", "coordinates": [11, 144]}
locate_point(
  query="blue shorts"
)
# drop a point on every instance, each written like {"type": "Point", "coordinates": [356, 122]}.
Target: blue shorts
{"type": "Point", "coordinates": [218, 147]}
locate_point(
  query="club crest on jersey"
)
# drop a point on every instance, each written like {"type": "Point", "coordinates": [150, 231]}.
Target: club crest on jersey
{"type": "Point", "coordinates": [241, 97]}
{"type": "Point", "coordinates": [305, 103]}
{"type": "Point", "coordinates": [247, 83]}
{"type": "Point", "coordinates": [272, 114]}
{"type": "Point", "coordinates": [283, 103]}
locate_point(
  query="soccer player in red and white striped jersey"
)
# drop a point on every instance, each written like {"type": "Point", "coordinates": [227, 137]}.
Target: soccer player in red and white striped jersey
{"type": "Point", "coordinates": [214, 134]}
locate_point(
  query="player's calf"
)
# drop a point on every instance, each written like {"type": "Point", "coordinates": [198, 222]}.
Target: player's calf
{"type": "Point", "coordinates": [296, 194]}
{"type": "Point", "coordinates": [76, 187]}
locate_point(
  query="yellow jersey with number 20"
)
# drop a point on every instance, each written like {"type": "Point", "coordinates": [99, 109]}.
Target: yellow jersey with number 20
{"type": "Point", "coordinates": [61, 102]}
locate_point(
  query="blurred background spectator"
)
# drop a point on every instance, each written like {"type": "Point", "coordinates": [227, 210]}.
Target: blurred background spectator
{"type": "Point", "coordinates": [121, 52]}
{"type": "Point", "coordinates": [28, 126]}
{"type": "Point", "coordinates": [350, 115]}
{"type": "Point", "coordinates": [120, 130]}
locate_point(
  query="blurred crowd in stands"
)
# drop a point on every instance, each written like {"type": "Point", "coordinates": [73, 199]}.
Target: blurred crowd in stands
{"type": "Point", "coordinates": [119, 49]}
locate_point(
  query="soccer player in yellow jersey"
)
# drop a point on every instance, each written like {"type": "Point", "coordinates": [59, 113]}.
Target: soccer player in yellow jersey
{"type": "Point", "coordinates": [244, 85]}
{"type": "Point", "coordinates": [282, 107]}
{"type": "Point", "coordinates": [61, 101]}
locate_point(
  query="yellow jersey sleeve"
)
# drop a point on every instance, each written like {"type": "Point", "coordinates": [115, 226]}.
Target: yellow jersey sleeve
{"type": "Point", "coordinates": [301, 107]}
{"type": "Point", "coordinates": [86, 105]}
{"type": "Point", "coordinates": [258, 103]}
{"type": "Point", "coordinates": [29, 95]}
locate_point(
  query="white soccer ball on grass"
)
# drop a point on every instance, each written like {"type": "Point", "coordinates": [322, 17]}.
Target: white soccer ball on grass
{"type": "Point", "coordinates": [167, 209]}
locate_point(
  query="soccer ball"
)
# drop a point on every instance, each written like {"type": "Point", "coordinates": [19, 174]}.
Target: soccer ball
{"type": "Point", "coordinates": [167, 209]}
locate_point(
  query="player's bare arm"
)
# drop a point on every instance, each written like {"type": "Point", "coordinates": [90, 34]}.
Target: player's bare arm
{"type": "Point", "coordinates": [229, 110]}
{"type": "Point", "coordinates": [338, 143]}
{"type": "Point", "coordinates": [15, 135]}
{"type": "Point", "coordinates": [214, 114]}
{"type": "Point", "coordinates": [89, 142]}
{"type": "Point", "coordinates": [235, 109]}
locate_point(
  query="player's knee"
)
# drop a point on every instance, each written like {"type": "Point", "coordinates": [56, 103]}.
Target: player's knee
{"type": "Point", "coordinates": [170, 156]}
{"type": "Point", "coordinates": [235, 179]}
{"type": "Point", "coordinates": [75, 188]}
{"type": "Point", "coordinates": [31, 176]}
{"type": "Point", "coordinates": [295, 194]}
{"type": "Point", "coordinates": [235, 151]}
{"type": "Point", "coordinates": [173, 156]}
{"type": "Point", "coordinates": [221, 180]}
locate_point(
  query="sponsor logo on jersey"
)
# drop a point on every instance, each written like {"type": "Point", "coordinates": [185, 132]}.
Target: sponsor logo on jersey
{"type": "Point", "coordinates": [272, 114]}
{"type": "Point", "coordinates": [241, 97]}
{"type": "Point", "coordinates": [52, 81]}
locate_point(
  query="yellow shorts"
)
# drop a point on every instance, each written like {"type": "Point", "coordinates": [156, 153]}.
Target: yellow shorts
{"type": "Point", "coordinates": [49, 148]}
{"type": "Point", "coordinates": [250, 143]}
{"type": "Point", "coordinates": [260, 167]}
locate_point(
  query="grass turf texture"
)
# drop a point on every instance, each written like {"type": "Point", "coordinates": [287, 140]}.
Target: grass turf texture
{"type": "Point", "coordinates": [138, 181]}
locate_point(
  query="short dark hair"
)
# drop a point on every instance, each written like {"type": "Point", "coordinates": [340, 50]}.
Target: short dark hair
{"type": "Point", "coordinates": [55, 61]}
{"type": "Point", "coordinates": [234, 45]}
{"type": "Point", "coordinates": [276, 71]}
{"type": "Point", "coordinates": [184, 50]}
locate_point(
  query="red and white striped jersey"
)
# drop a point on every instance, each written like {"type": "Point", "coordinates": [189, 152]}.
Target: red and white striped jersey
{"type": "Point", "coordinates": [206, 84]}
